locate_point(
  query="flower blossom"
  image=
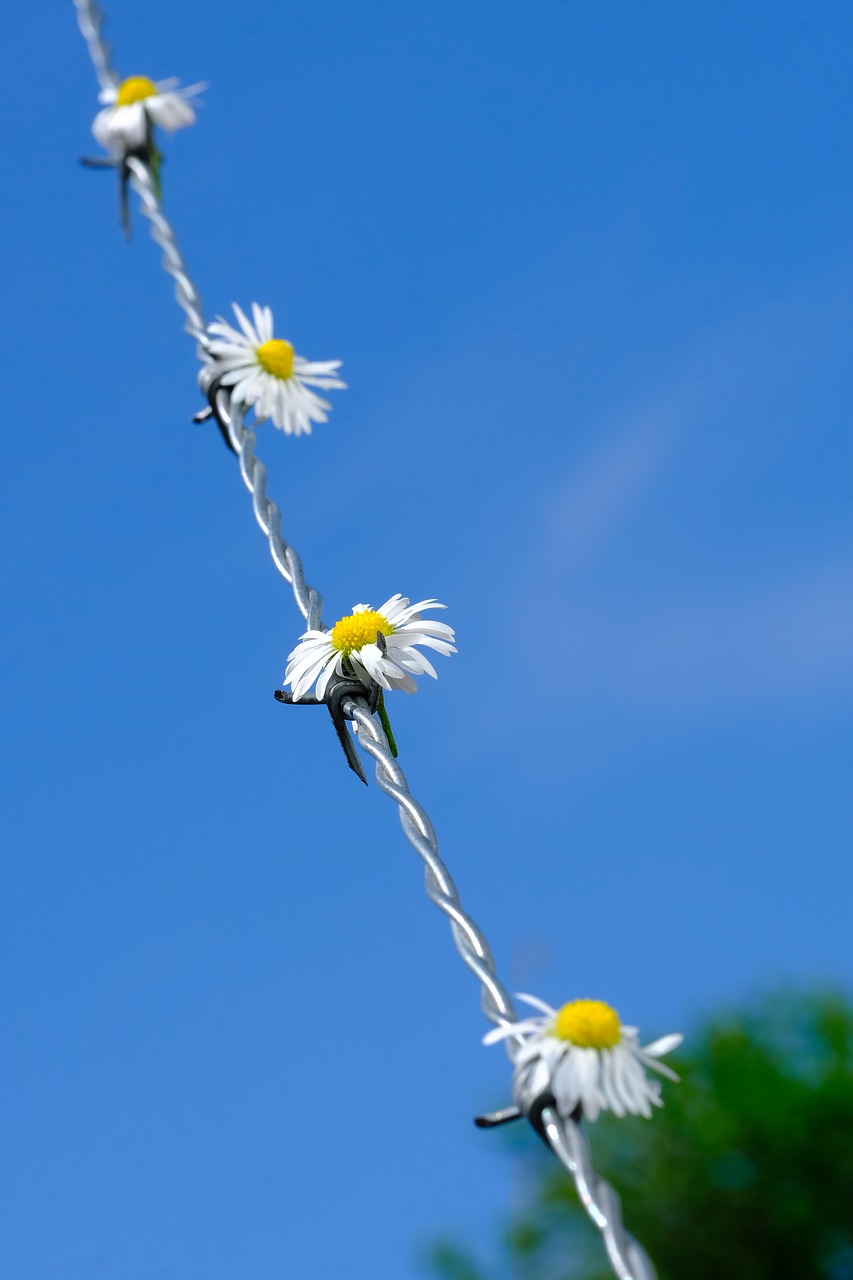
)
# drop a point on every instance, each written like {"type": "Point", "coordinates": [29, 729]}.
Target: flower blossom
{"type": "Point", "coordinates": [586, 1058]}
{"type": "Point", "coordinates": [135, 105]}
{"type": "Point", "coordinates": [351, 648]}
{"type": "Point", "coordinates": [266, 374]}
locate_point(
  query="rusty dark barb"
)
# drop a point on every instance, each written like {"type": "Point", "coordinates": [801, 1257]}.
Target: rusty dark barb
{"type": "Point", "coordinates": [212, 412]}
{"type": "Point", "coordinates": [494, 1118]}
{"type": "Point", "coordinates": [335, 698]}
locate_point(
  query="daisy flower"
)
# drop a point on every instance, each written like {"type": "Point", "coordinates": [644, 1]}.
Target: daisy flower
{"type": "Point", "coordinates": [265, 372]}
{"type": "Point", "coordinates": [350, 648]}
{"type": "Point", "coordinates": [583, 1055]}
{"type": "Point", "coordinates": [138, 103]}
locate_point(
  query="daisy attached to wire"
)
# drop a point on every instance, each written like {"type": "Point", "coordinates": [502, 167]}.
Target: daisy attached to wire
{"type": "Point", "coordinates": [135, 106]}
{"type": "Point", "coordinates": [371, 645]}
{"type": "Point", "coordinates": [126, 125]}
{"type": "Point", "coordinates": [266, 374]}
{"type": "Point", "coordinates": [583, 1055]}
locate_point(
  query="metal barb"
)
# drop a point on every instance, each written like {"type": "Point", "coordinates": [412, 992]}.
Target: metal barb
{"type": "Point", "coordinates": [494, 1118]}
{"type": "Point", "coordinates": [212, 411]}
{"type": "Point", "coordinates": [119, 164]}
{"type": "Point", "coordinates": [337, 693]}
{"type": "Point", "coordinates": [627, 1258]}
{"type": "Point", "coordinates": [531, 1106]}
{"type": "Point", "coordinates": [147, 155]}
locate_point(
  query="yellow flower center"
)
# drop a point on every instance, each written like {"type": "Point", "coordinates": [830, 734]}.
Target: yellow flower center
{"type": "Point", "coordinates": [134, 89]}
{"type": "Point", "coordinates": [359, 629]}
{"type": "Point", "coordinates": [276, 357]}
{"type": "Point", "coordinates": [590, 1024]}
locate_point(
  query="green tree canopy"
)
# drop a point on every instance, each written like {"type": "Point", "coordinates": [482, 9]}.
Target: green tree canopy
{"type": "Point", "coordinates": [746, 1173]}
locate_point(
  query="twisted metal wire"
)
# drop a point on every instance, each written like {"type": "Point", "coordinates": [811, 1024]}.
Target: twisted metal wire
{"type": "Point", "coordinates": [565, 1138]}
{"type": "Point", "coordinates": [186, 294]}
{"type": "Point", "coordinates": [569, 1143]}
{"type": "Point", "coordinates": [418, 830]}
{"type": "Point", "coordinates": [90, 19]}
{"type": "Point", "coordinates": [286, 559]}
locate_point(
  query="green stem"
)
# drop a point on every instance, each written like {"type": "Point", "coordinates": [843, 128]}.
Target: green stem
{"type": "Point", "coordinates": [386, 724]}
{"type": "Point", "coordinates": [155, 164]}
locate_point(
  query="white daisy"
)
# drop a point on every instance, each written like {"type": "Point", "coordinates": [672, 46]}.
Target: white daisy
{"type": "Point", "coordinates": [136, 104]}
{"type": "Point", "coordinates": [265, 372]}
{"type": "Point", "coordinates": [583, 1055]}
{"type": "Point", "coordinates": [350, 648]}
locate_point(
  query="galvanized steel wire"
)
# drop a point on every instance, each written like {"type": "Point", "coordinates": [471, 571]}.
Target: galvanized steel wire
{"type": "Point", "coordinates": [565, 1138]}
{"type": "Point", "coordinates": [90, 18]}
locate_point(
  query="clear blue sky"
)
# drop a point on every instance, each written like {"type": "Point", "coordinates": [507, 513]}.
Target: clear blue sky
{"type": "Point", "coordinates": [588, 267]}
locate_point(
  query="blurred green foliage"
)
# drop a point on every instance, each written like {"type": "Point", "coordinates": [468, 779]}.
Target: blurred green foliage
{"type": "Point", "coordinates": [746, 1173]}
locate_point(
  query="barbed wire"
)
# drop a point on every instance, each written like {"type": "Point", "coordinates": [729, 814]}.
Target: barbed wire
{"type": "Point", "coordinates": [90, 18]}
{"type": "Point", "coordinates": [186, 294]}
{"type": "Point", "coordinates": [566, 1139]}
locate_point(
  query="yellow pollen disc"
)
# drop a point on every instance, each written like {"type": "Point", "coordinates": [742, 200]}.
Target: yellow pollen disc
{"type": "Point", "coordinates": [276, 357]}
{"type": "Point", "coordinates": [590, 1024]}
{"type": "Point", "coordinates": [359, 629]}
{"type": "Point", "coordinates": [134, 89]}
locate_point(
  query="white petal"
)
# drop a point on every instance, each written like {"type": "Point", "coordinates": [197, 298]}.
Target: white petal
{"type": "Point", "coordinates": [664, 1045]}
{"type": "Point", "coordinates": [661, 1067]}
{"type": "Point", "coordinates": [170, 111]}
{"type": "Point", "coordinates": [537, 1004]}
{"type": "Point", "coordinates": [610, 1084]}
{"type": "Point", "coordinates": [392, 608]}
{"type": "Point", "coordinates": [244, 324]}
{"type": "Point", "coordinates": [325, 677]}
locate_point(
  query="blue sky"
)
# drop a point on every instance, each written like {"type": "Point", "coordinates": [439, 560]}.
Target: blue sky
{"type": "Point", "coordinates": [589, 271]}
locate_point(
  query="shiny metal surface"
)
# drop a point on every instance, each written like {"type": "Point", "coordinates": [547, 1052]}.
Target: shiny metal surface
{"type": "Point", "coordinates": [567, 1141]}
{"type": "Point", "coordinates": [91, 20]}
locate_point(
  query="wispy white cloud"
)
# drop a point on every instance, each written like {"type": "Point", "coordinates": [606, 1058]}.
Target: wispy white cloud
{"type": "Point", "coordinates": [711, 656]}
{"type": "Point", "coordinates": [707, 632]}
{"type": "Point", "coordinates": [603, 492]}
{"type": "Point", "coordinates": [732, 385]}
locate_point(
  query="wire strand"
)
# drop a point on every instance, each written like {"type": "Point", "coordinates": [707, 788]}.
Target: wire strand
{"type": "Point", "coordinates": [90, 19]}
{"type": "Point", "coordinates": [627, 1258]}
